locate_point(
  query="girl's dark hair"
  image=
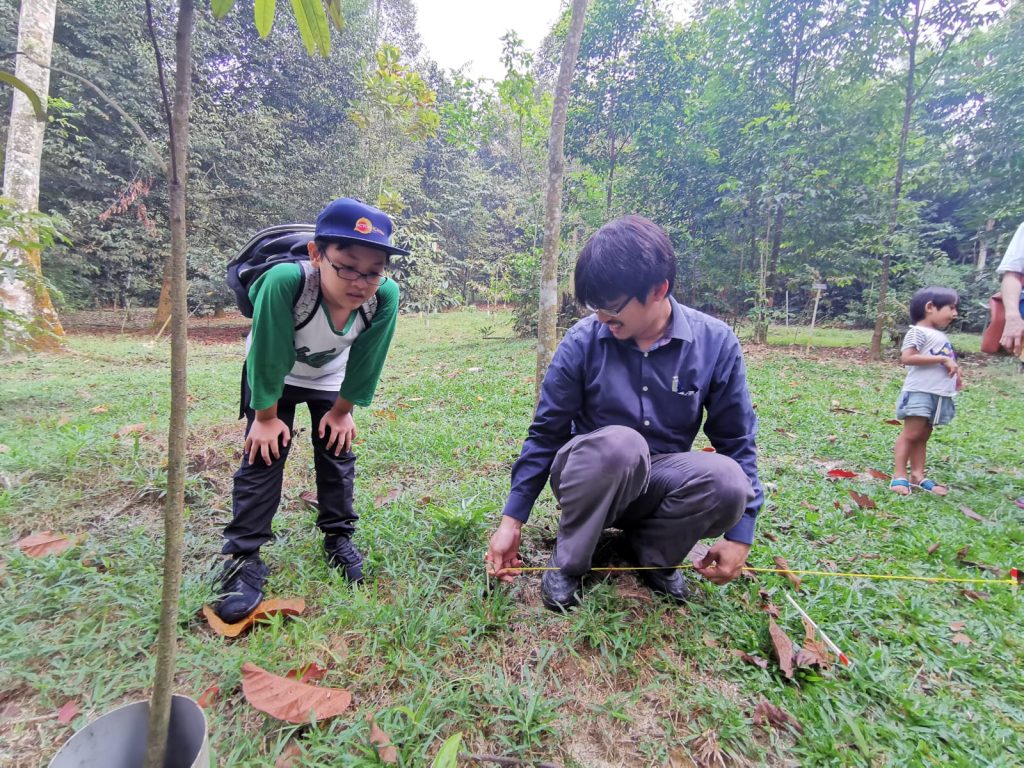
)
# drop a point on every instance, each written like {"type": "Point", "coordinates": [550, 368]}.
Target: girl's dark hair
{"type": "Point", "coordinates": [626, 257]}
{"type": "Point", "coordinates": [937, 295]}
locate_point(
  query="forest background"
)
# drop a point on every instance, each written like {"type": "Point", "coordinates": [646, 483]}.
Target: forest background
{"type": "Point", "coordinates": [781, 145]}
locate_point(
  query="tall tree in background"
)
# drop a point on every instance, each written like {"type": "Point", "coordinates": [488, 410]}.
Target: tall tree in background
{"type": "Point", "coordinates": [547, 317]}
{"type": "Point", "coordinates": [29, 299]}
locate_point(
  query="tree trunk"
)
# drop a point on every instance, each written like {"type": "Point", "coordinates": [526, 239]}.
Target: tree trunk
{"type": "Point", "coordinates": [983, 235]}
{"type": "Point", "coordinates": [897, 185]}
{"type": "Point", "coordinates": [163, 306]}
{"type": "Point", "coordinates": [30, 300]}
{"type": "Point", "coordinates": [174, 502]}
{"type": "Point", "coordinates": [547, 316]}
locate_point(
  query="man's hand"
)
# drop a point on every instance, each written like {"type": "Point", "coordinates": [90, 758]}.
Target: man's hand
{"type": "Point", "coordinates": [1013, 335]}
{"type": "Point", "coordinates": [264, 438]}
{"type": "Point", "coordinates": [724, 561]}
{"type": "Point", "coordinates": [341, 427]}
{"type": "Point", "coordinates": [503, 549]}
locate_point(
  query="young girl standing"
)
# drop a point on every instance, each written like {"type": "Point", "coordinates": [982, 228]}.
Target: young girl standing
{"type": "Point", "coordinates": [933, 379]}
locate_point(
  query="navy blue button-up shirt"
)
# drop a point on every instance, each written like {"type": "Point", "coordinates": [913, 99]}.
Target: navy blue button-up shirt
{"type": "Point", "coordinates": [693, 375]}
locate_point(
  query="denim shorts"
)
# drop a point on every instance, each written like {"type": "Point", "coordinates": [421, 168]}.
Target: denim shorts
{"type": "Point", "coordinates": [937, 409]}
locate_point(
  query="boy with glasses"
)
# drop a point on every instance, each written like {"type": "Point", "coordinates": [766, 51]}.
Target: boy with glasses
{"type": "Point", "coordinates": [621, 403]}
{"type": "Point", "coordinates": [331, 362]}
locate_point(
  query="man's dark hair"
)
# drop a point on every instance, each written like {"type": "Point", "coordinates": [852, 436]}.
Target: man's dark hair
{"type": "Point", "coordinates": [937, 295]}
{"type": "Point", "coordinates": [626, 257]}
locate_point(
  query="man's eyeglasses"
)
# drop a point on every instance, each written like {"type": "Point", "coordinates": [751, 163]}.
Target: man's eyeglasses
{"type": "Point", "coordinates": [610, 312]}
{"type": "Point", "coordinates": [347, 273]}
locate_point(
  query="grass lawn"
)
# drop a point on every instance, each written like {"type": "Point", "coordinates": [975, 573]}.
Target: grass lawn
{"type": "Point", "coordinates": [429, 650]}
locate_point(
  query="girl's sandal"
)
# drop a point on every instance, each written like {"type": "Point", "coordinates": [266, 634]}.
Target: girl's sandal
{"type": "Point", "coordinates": [932, 487]}
{"type": "Point", "coordinates": [900, 486]}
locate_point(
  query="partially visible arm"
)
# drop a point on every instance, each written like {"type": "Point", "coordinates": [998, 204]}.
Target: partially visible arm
{"type": "Point", "coordinates": [731, 427]}
{"type": "Point", "coordinates": [370, 349]}
{"type": "Point", "coordinates": [1013, 332]}
{"type": "Point", "coordinates": [272, 347]}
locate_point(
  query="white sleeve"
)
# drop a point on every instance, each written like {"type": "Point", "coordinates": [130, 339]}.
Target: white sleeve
{"type": "Point", "coordinates": [915, 339]}
{"type": "Point", "coordinates": [1013, 259]}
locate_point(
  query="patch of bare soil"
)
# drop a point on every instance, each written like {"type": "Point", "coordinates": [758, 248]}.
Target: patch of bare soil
{"type": "Point", "coordinates": [139, 323]}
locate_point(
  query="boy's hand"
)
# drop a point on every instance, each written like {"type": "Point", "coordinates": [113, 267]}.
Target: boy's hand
{"type": "Point", "coordinates": [341, 428]}
{"type": "Point", "coordinates": [264, 439]}
{"type": "Point", "coordinates": [951, 366]}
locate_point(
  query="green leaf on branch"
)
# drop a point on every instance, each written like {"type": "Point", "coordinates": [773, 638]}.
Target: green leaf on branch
{"type": "Point", "coordinates": [311, 19]}
{"type": "Point", "coordinates": [220, 8]}
{"type": "Point", "coordinates": [448, 754]}
{"type": "Point", "coordinates": [334, 11]}
{"type": "Point", "coordinates": [14, 82]}
{"type": "Point", "coordinates": [263, 14]}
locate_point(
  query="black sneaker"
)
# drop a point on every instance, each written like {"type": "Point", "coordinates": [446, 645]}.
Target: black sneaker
{"type": "Point", "coordinates": [342, 553]}
{"type": "Point", "coordinates": [241, 587]}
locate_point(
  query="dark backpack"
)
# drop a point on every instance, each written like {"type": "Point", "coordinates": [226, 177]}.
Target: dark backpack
{"type": "Point", "coordinates": [283, 244]}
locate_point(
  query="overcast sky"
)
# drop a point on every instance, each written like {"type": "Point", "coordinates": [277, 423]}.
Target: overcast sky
{"type": "Point", "coordinates": [459, 31]}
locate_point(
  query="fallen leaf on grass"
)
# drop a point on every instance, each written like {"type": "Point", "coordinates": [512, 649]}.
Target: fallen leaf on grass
{"type": "Point", "coordinates": [840, 473]}
{"type": "Point", "coordinates": [897, 422]}
{"type": "Point", "coordinates": [130, 429]}
{"type": "Point", "coordinates": [879, 475]}
{"type": "Point", "coordinates": [291, 756]}
{"type": "Point", "coordinates": [808, 505]}
{"type": "Point", "coordinates": [209, 696]}
{"type": "Point", "coordinates": [961, 639]}
{"type": "Point", "coordinates": [98, 409]}
{"type": "Point", "coordinates": [934, 548]}
{"type": "Point", "coordinates": [385, 749]}
{"type": "Point", "coordinates": [311, 673]}
{"type": "Point", "coordinates": [290, 700]}
{"type": "Point", "coordinates": [44, 543]}
{"type": "Point", "coordinates": [968, 512]}
{"type": "Point", "coordinates": [862, 501]}
{"type": "Point", "coordinates": [974, 595]}
{"type": "Point", "coordinates": [67, 713]}
{"type": "Point", "coordinates": [813, 653]}
{"type": "Point", "coordinates": [5, 448]}
{"type": "Point", "coordinates": [311, 500]}
{"type": "Point", "coordinates": [262, 611]}
{"type": "Point", "coordinates": [783, 647]}
{"type": "Point", "coordinates": [962, 552]}
{"type": "Point", "coordinates": [782, 565]}
{"type": "Point", "coordinates": [750, 658]}
{"type": "Point", "coordinates": [956, 626]}
{"type": "Point", "coordinates": [766, 713]}
{"type": "Point", "coordinates": [383, 501]}
{"type": "Point", "coordinates": [385, 414]}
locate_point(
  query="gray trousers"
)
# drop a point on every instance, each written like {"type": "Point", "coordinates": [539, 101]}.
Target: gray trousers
{"type": "Point", "coordinates": [663, 503]}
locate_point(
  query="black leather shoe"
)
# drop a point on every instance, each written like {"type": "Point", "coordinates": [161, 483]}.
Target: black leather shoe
{"type": "Point", "coordinates": [668, 582]}
{"type": "Point", "coordinates": [559, 591]}
{"type": "Point", "coordinates": [241, 587]}
{"type": "Point", "coordinates": [342, 554]}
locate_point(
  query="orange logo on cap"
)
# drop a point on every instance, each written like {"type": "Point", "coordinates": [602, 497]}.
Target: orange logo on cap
{"type": "Point", "coordinates": [363, 226]}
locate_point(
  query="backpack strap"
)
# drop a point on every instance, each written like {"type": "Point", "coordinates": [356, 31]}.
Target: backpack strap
{"type": "Point", "coordinates": [308, 297]}
{"type": "Point", "coordinates": [368, 310]}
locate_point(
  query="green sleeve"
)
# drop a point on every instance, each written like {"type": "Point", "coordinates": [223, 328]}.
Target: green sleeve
{"type": "Point", "coordinates": [366, 360]}
{"type": "Point", "coordinates": [272, 348]}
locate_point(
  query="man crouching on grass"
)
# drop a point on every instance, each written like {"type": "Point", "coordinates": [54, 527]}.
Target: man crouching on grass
{"type": "Point", "coordinates": [620, 405]}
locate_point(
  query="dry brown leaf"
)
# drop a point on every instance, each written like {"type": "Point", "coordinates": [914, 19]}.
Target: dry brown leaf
{"type": "Point", "coordinates": [840, 473]}
{"type": "Point", "coordinates": [750, 658]}
{"type": "Point", "coordinates": [383, 501]}
{"type": "Point", "coordinates": [99, 409]}
{"type": "Point", "coordinates": [311, 500]}
{"type": "Point", "coordinates": [934, 548]}
{"type": "Point", "coordinates": [968, 512]}
{"type": "Point", "coordinates": [782, 565]}
{"type": "Point", "coordinates": [67, 713]}
{"type": "Point", "coordinates": [766, 714]}
{"type": "Point", "coordinates": [962, 552]}
{"type": "Point", "coordinates": [44, 543]}
{"type": "Point", "coordinates": [311, 673]}
{"type": "Point", "coordinates": [262, 611]}
{"type": "Point", "coordinates": [862, 501]}
{"type": "Point", "coordinates": [290, 700]}
{"type": "Point", "coordinates": [895, 422]}
{"type": "Point", "coordinates": [209, 696]}
{"type": "Point", "coordinates": [385, 749]}
{"type": "Point", "coordinates": [961, 639]}
{"type": "Point", "coordinates": [291, 756]}
{"type": "Point", "coordinates": [813, 653]}
{"type": "Point", "coordinates": [956, 626]}
{"type": "Point", "coordinates": [130, 429]}
{"type": "Point", "coordinates": [385, 414]}
{"type": "Point", "coordinates": [974, 595]}
{"type": "Point", "coordinates": [783, 647]}
{"type": "Point", "coordinates": [879, 475]}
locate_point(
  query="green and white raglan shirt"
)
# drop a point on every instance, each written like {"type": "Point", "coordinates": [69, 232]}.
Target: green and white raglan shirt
{"type": "Point", "coordinates": [317, 356]}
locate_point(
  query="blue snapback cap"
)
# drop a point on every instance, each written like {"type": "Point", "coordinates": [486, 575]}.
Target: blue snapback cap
{"type": "Point", "coordinates": [353, 221]}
